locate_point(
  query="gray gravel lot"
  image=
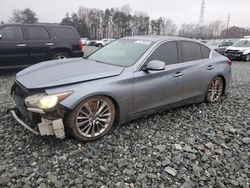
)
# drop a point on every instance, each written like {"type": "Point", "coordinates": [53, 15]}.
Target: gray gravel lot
{"type": "Point", "coordinates": [194, 146]}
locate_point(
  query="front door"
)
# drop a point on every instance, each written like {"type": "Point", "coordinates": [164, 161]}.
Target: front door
{"type": "Point", "coordinates": [156, 89]}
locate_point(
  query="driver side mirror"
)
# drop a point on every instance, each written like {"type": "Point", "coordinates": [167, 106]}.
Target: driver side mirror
{"type": "Point", "coordinates": [155, 65]}
{"type": "Point", "coordinates": [0, 36]}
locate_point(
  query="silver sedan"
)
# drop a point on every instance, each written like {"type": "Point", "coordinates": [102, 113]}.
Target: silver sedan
{"type": "Point", "coordinates": [131, 77]}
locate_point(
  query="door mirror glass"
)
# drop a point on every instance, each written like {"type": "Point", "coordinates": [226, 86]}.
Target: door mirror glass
{"type": "Point", "coordinates": [155, 65]}
{"type": "Point", "coordinates": [0, 36]}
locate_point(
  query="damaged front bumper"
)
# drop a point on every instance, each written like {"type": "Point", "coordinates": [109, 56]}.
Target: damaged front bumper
{"type": "Point", "coordinates": [45, 128]}
{"type": "Point", "coordinates": [41, 122]}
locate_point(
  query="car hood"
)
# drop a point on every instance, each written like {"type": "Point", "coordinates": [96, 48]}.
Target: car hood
{"type": "Point", "coordinates": [67, 71]}
{"type": "Point", "coordinates": [238, 48]}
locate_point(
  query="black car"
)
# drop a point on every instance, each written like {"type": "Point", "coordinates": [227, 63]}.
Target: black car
{"type": "Point", "coordinates": [24, 44]}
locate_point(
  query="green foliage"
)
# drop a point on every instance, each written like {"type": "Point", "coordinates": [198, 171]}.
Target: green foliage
{"type": "Point", "coordinates": [24, 16]}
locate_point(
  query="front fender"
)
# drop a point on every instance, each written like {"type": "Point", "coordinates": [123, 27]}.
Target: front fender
{"type": "Point", "coordinates": [117, 88]}
{"type": "Point", "coordinates": [246, 52]}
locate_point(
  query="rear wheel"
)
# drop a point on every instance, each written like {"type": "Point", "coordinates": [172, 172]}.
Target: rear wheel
{"type": "Point", "coordinates": [215, 90]}
{"type": "Point", "coordinates": [60, 55]}
{"type": "Point", "coordinates": [92, 118]}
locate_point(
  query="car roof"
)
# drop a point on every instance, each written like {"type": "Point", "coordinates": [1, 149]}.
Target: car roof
{"type": "Point", "coordinates": [156, 38]}
{"type": "Point", "coordinates": [38, 24]}
{"type": "Point", "coordinates": [244, 39]}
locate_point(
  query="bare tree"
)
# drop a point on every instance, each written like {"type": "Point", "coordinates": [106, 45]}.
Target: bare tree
{"type": "Point", "coordinates": [216, 28]}
{"type": "Point", "coordinates": [169, 27]}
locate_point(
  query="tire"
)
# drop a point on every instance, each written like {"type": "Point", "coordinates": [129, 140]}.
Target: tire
{"type": "Point", "coordinates": [84, 121]}
{"type": "Point", "coordinates": [99, 45]}
{"type": "Point", "coordinates": [247, 57]}
{"type": "Point", "coordinates": [215, 90]}
{"type": "Point", "coordinates": [60, 55]}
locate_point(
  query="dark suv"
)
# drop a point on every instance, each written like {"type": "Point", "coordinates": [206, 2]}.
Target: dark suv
{"type": "Point", "coordinates": [24, 44]}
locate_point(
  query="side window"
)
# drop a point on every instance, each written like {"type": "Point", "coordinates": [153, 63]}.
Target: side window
{"type": "Point", "coordinates": [38, 33]}
{"type": "Point", "coordinates": [11, 33]}
{"type": "Point", "coordinates": [166, 52]}
{"type": "Point", "coordinates": [205, 51]}
{"type": "Point", "coordinates": [64, 32]}
{"type": "Point", "coordinates": [190, 51]}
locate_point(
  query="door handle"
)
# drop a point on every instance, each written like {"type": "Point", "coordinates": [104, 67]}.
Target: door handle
{"type": "Point", "coordinates": [21, 45]}
{"type": "Point", "coordinates": [49, 44]}
{"type": "Point", "coordinates": [178, 74]}
{"type": "Point", "coordinates": [210, 67]}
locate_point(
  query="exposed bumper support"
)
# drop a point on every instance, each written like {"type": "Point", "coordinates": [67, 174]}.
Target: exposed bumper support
{"type": "Point", "coordinates": [22, 123]}
{"type": "Point", "coordinates": [46, 127]}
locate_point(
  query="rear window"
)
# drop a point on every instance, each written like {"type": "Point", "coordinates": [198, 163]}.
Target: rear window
{"type": "Point", "coordinates": [65, 33]}
{"type": "Point", "coordinates": [190, 51]}
{"type": "Point", "coordinates": [38, 33]}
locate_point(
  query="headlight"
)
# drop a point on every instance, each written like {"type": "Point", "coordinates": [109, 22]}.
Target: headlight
{"type": "Point", "coordinates": [44, 101]}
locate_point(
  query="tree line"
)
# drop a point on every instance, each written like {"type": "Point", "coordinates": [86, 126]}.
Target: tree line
{"type": "Point", "coordinates": [120, 22]}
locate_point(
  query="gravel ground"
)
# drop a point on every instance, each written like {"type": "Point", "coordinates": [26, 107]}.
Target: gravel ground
{"type": "Point", "coordinates": [195, 146]}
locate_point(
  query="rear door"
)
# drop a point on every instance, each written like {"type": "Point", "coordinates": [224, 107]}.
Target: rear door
{"type": "Point", "coordinates": [155, 89]}
{"type": "Point", "coordinates": [196, 68]}
{"type": "Point", "coordinates": [13, 51]}
{"type": "Point", "coordinates": [39, 43]}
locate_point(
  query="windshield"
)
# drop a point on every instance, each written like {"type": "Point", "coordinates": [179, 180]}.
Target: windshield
{"type": "Point", "coordinates": [242, 43]}
{"type": "Point", "coordinates": [123, 52]}
{"type": "Point", "coordinates": [213, 42]}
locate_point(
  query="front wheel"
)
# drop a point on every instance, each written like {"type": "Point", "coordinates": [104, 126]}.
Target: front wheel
{"type": "Point", "coordinates": [247, 57]}
{"type": "Point", "coordinates": [92, 118]}
{"type": "Point", "coordinates": [215, 90]}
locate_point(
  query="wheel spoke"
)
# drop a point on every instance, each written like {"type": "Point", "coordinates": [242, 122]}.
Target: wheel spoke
{"type": "Point", "coordinates": [90, 126]}
{"type": "Point", "coordinates": [88, 108]}
{"type": "Point", "coordinates": [82, 117]}
{"type": "Point", "coordinates": [101, 124]}
{"type": "Point", "coordinates": [101, 108]}
{"type": "Point", "coordinates": [82, 123]}
{"type": "Point", "coordinates": [103, 120]}
{"type": "Point", "coordinates": [84, 113]}
{"type": "Point", "coordinates": [105, 115]}
{"type": "Point", "coordinates": [93, 130]}
{"type": "Point", "coordinates": [97, 127]}
{"type": "Point", "coordinates": [86, 127]}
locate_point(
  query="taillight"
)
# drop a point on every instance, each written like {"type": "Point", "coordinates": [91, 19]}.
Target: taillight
{"type": "Point", "coordinates": [229, 62]}
{"type": "Point", "coordinates": [80, 45]}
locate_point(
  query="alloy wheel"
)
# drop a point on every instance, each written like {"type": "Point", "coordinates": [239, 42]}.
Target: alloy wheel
{"type": "Point", "coordinates": [93, 118]}
{"type": "Point", "coordinates": [215, 89]}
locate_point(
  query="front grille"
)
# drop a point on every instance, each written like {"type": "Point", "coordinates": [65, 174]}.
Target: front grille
{"type": "Point", "coordinates": [234, 52]}
{"type": "Point", "coordinates": [19, 93]}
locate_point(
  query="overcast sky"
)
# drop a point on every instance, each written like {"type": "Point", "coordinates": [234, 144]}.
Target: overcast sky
{"type": "Point", "coordinates": [180, 11]}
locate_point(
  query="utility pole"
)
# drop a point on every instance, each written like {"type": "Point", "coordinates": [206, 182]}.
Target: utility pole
{"type": "Point", "coordinates": [201, 19]}
{"type": "Point", "coordinates": [228, 20]}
